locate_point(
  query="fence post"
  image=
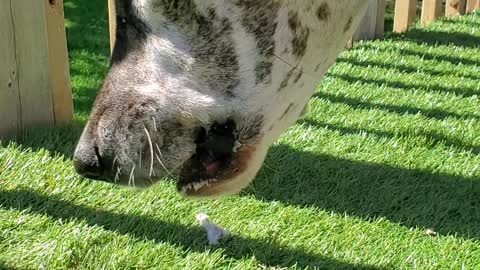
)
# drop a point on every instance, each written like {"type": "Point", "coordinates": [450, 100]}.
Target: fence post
{"type": "Point", "coordinates": [9, 94]}
{"type": "Point", "coordinates": [34, 76]}
{"type": "Point", "coordinates": [472, 5]}
{"type": "Point", "coordinates": [431, 10]}
{"type": "Point", "coordinates": [368, 26]}
{"type": "Point", "coordinates": [455, 8]}
{"type": "Point", "coordinates": [59, 71]}
{"type": "Point", "coordinates": [405, 13]}
{"type": "Point", "coordinates": [380, 29]}
{"type": "Point", "coordinates": [112, 23]}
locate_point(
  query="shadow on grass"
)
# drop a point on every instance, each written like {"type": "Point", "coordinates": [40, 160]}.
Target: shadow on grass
{"type": "Point", "coordinates": [437, 55]}
{"type": "Point", "coordinates": [430, 113]}
{"type": "Point", "coordinates": [436, 138]}
{"type": "Point", "coordinates": [60, 140]}
{"type": "Point", "coordinates": [144, 227]}
{"type": "Point", "coordinates": [460, 91]}
{"type": "Point", "coordinates": [5, 266]}
{"type": "Point", "coordinates": [410, 197]}
{"type": "Point", "coordinates": [437, 38]}
{"type": "Point", "coordinates": [407, 69]}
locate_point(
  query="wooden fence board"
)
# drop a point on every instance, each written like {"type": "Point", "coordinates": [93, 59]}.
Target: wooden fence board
{"type": "Point", "coordinates": [431, 10]}
{"type": "Point", "coordinates": [380, 27]}
{"type": "Point", "coordinates": [368, 25]}
{"type": "Point", "coordinates": [32, 61]}
{"type": "Point", "coordinates": [112, 20]}
{"type": "Point", "coordinates": [455, 8]}
{"type": "Point", "coordinates": [9, 95]}
{"type": "Point", "coordinates": [472, 5]}
{"type": "Point", "coordinates": [59, 72]}
{"type": "Point", "coordinates": [405, 13]}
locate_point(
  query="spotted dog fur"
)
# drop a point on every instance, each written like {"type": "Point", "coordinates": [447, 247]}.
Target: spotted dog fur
{"type": "Point", "coordinates": [182, 67]}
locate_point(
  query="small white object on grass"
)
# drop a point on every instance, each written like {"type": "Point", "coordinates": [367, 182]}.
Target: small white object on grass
{"type": "Point", "coordinates": [214, 233]}
{"type": "Point", "coordinates": [431, 232]}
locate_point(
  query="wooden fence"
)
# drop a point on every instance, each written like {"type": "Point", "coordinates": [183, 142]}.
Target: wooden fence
{"type": "Point", "coordinates": [405, 15]}
{"type": "Point", "coordinates": [34, 71]}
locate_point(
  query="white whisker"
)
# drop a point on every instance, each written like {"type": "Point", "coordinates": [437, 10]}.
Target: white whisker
{"type": "Point", "coordinates": [140, 158]}
{"type": "Point", "coordinates": [117, 175]}
{"type": "Point", "coordinates": [154, 124]}
{"type": "Point", "coordinates": [160, 160]}
{"type": "Point", "coordinates": [132, 177]}
{"type": "Point", "coordinates": [161, 163]}
{"type": "Point", "coordinates": [114, 160]}
{"type": "Point", "coordinates": [151, 150]}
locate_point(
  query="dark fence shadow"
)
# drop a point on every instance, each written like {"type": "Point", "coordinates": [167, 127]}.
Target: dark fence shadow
{"type": "Point", "coordinates": [434, 137]}
{"type": "Point", "coordinates": [411, 197]}
{"type": "Point", "coordinates": [60, 140]}
{"type": "Point", "coordinates": [436, 55]}
{"type": "Point", "coordinates": [5, 266]}
{"type": "Point", "coordinates": [460, 91]}
{"type": "Point", "coordinates": [435, 38]}
{"type": "Point", "coordinates": [143, 227]}
{"type": "Point", "coordinates": [406, 69]}
{"type": "Point", "coordinates": [357, 103]}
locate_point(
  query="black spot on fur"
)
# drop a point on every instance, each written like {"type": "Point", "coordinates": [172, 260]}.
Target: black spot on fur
{"type": "Point", "coordinates": [260, 19]}
{"type": "Point", "coordinates": [215, 48]}
{"type": "Point", "coordinates": [300, 34]}
{"type": "Point", "coordinates": [286, 111]}
{"type": "Point", "coordinates": [130, 32]}
{"type": "Point", "coordinates": [348, 25]}
{"type": "Point", "coordinates": [179, 11]}
{"type": "Point", "coordinates": [323, 12]}
{"type": "Point", "coordinates": [299, 76]}
{"type": "Point", "coordinates": [285, 80]}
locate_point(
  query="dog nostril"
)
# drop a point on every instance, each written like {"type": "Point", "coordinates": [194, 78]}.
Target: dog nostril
{"type": "Point", "coordinates": [88, 162]}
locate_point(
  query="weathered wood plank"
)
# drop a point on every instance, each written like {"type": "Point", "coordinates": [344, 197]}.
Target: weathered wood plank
{"type": "Point", "coordinates": [405, 13]}
{"type": "Point", "coordinates": [367, 28]}
{"type": "Point", "coordinates": [32, 61]}
{"type": "Point", "coordinates": [59, 72]}
{"type": "Point", "coordinates": [380, 25]}
{"type": "Point", "coordinates": [455, 8]}
{"type": "Point", "coordinates": [9, 95]}
{"type": "Point", "coordinates": [472, 5]}
{"type": "Point", "coordinates": [431, 10]}
{"type": "Point", "coordinates": [112, 23]}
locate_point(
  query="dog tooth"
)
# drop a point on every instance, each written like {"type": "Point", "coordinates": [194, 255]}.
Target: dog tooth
{"type": "Point", "coordinates": [236, 146]}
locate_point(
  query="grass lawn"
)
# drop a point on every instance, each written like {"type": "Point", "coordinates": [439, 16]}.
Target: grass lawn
{"type": "Point", "coordinates": [391, 148]}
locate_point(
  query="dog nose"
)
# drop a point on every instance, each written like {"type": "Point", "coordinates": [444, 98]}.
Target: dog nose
{"type": "Point", "coordinates": [87, 161]}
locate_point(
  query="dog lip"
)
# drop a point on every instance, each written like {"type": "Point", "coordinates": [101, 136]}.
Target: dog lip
{"type": "Point", "coordinates": [191, 186]}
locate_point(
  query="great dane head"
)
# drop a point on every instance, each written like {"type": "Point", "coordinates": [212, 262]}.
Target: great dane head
{"type": "Point", "coordinates": [201, 88]}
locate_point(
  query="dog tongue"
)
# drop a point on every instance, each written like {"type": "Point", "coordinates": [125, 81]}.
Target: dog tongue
{"type": "Point", "coordinates": [212, 168]}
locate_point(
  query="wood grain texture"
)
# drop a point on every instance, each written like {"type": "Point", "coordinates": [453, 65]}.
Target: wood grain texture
{"type": "Point", "coordinates": [455, 8]}
{"type": "Point", "coordinates": [367, 28]}
{"type": "Point", "coordinates": [405, 13]}
{"type": "Point", "coordinates": [380, 25]}
{"type": "Point", "coordinates": [31, 47]}
{"type": "Point", "coordinates": [112, 22]}
{"type": "Point", "coordinates": [431, 10]}
{"type": "Point", "coordinates": [59, 72]}
{"type": "Point", "coordinates": [472, 5]}
{"type": "Point", "coordinates": [9, 93]}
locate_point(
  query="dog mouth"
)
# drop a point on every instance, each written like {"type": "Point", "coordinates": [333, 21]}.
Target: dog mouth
{"type": "Point", "coordinates": [219, 157]}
